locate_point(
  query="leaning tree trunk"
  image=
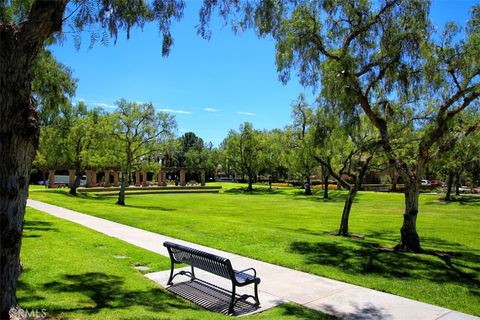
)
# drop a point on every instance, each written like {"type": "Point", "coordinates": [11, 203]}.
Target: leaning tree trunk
{"type": "Point", "coordinates": [343, 231]}
{"type": "Point", "coordinates": [352, 192]}
{"type": "Point", "coordinates": [19, 133]}
{"type": "Point", "coordinates": [409, 236]}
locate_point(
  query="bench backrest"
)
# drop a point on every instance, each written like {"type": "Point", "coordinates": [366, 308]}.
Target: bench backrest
{"type": "Point", "coordinates": [199, 259]}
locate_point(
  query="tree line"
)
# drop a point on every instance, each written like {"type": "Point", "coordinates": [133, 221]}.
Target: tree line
{"type": "Point", "coordinates": [343, 148]}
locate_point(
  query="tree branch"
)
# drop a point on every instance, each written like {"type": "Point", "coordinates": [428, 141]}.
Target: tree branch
{"type": "Point", "coordinates": [44, 18]}
{"type": "Point", "coordinates": [317, 40]}
{"type": "Point", "coordinates": [457, 96]}
{"type": "Point", "coordinates": [367, 26]}
{"type": "Point", "coordinates": [442, 119]}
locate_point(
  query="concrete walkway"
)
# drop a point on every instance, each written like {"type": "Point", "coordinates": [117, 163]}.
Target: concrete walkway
{"type": "Point", "coordinates": [278, 284]}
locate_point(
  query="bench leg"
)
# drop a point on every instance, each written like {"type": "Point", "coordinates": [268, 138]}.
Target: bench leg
{"type": "Point", "coordinates": [232, 301]}
{"type": "Point", "coordinates": [169, 282]}
{"type": "Point", "coordinates": [193, 274]}
{"type": "Point", "coordinates": [256, 295]}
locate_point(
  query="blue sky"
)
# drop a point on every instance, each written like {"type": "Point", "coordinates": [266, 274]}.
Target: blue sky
{"type": "Point", "coordinates": [211, 86]}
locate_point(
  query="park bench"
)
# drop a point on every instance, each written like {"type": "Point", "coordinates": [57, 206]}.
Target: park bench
{"type": "Point", "coordinates": [213, 264]}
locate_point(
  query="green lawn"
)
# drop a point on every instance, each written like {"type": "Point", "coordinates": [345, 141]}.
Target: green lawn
{"type": "Point", "coordinates": [287, 228]}
{"type": "Point", "coordinates": [37, 187]}
{"type": "Point", "coordinates": [72, 272]}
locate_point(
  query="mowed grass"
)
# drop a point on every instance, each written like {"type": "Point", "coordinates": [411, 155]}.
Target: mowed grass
{"type": "Point", "coordinates": [286, 228]}
{"type": "Point", "coordinates": [72, 272]}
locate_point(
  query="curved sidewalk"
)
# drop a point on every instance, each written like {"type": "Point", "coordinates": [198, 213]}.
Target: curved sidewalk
{"type": "Point", "coordinates": [279, 284]}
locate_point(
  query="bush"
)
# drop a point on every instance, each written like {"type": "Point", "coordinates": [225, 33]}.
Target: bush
{"type": "Point", "coordinates": [330, 187]}
{"type": "Point", "coordinates": [281, 184]}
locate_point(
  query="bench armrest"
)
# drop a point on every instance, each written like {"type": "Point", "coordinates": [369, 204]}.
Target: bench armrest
{"type": "Point", "coordinates": [254, 271]}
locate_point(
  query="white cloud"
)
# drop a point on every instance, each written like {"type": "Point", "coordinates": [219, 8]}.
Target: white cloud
{"type": "Point", "coordinates": [175, 111]}
{"type": "Point", "coordinates": [246, 113]}
{"type": "Point", "coordinates": [103, 105]}
{"type": "Point", "coordinates": [210, 110]}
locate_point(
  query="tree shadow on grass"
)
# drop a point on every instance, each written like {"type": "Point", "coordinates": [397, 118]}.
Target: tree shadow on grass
{"type": "Point", "coordinates": [473, 201]}
{"type": "Point", "coordinates": [146, 207]}
{"type": "Point", "coordinates": [430, 244]}
{"type": "Point", "coordinates": [80, 195]}
{"type": "Point", "coordinates": [90, 197]}
{"type": "Point", "coordinates": [363, 257]}
{"type": "Point", "coordinates": [31, 226]}
{"type": "Point", "coordinates": [109, 292]}
{"type": "Point", "coordinates": [453, 254]}
{"type": "Point", "coordinates": [155, 208]}
{"type": "Point", "coordinates": [295, 194]}
{"type": "Point", "coordinates": [29, 289]}
{"type": "Point", "coordinates": [318, 197]}
{"type": "Point", "coordinates": [469, 200]}
{"type": "Point", "coordinates": [257, 191]}
{"type": "Point", "coordinates": [108, 199]}
{"type": "Point", "coordinates": [309, 232]}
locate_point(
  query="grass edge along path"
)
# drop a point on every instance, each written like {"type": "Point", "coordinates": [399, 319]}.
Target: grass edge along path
{"type": "Point", "coordinates": [72, 272]}
{"type": "Point", "coordinates": [292, 231]}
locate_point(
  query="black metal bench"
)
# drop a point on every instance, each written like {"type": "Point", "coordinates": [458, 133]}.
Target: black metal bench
{"type": "Point", "coordinates": [214, 264]}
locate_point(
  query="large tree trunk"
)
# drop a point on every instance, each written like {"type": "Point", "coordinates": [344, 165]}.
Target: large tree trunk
{"type": "Point", "coordinates": [76, 183]}
{"type": "Point", "coordinates": [409, 237]}
{"type": "Point", "coordinates": [448, 196]}
{"type": "Point", "coordinates": [343, 231]}
{"type": "Point", "coordinates": [19, 133]}
{"type": "Point", "coordinates": [250, 183]}
{"type": "Point", "coordinates": [121, 194]}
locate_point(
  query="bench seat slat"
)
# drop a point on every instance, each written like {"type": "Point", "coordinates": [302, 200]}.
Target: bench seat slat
{"type": "Point", "coordinates": [202, 260]}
